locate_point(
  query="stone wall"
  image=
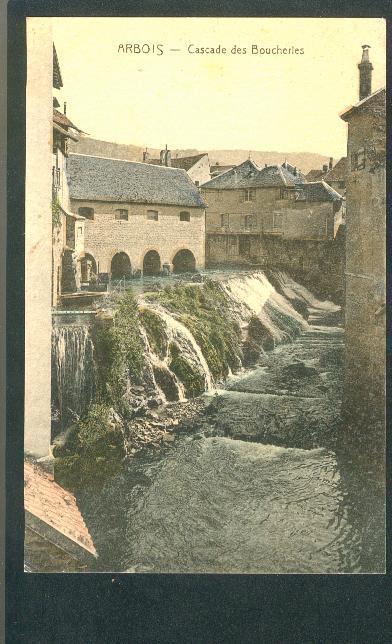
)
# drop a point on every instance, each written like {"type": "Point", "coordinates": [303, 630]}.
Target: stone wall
{"type": "Point", "coordinates": [105, 236]}
{"type": "Point", "coordinates": [364, 387]}
{"type": "Point", "coordinates": [319, 264]}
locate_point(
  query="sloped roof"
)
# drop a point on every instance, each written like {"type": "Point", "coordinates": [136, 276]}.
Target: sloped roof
{"type": "Point", "coordinates": [55, 507]}
{"type": "Point", "coordinates": [338, 172]}
{"type": "Point", "coordinates": [345, 115]}
{"type": "Point", "coordinates": [63, 120]}
{"type": "Point", "coordinates": [249, 175]}
{"type": "Point", "coordinates": [186, 163]}
{"type": "Point", "coordinates": [57, 80]}
{"type": "Point", "coordinates": [319, 191]}
{"type": "Point", "coordinates": [313, 175]}
{"type": "Point", "coordinates": [100, 179]}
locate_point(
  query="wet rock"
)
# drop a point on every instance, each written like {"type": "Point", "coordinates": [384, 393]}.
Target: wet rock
{"type": "Point", "coordinates": [299, 370]}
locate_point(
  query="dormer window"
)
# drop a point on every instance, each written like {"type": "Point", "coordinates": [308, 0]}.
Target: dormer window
{"type": "Point", "coordinates": [249, 194]}
{"type": "Point", "coordinates": [185, 216]}
{"type": "Point", "coordinates": [87, 213]}
{"type": "Point", "coordinates": [121, 214]}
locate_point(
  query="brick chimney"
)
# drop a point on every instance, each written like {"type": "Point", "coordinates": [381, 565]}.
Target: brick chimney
{"type": "Point", "coordinates": [325, 168]}
{"type": "Point", "coordinates": [168, 158]}
{"type": "Point", "coordinates": [162, 157]}
{"type": "Point", "coordinates": [146, 156]}
{"type": "Point", "coordinates": [330, 163]}
{"type": "Point", "coordinates": [365, 74]}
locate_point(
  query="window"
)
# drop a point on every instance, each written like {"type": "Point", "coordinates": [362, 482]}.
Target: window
{"type": "Point", "coordinates": [87, 213]}
{"type": "Point", "coordinates": [277, 222]}
{"type": "Point", "coordinates": [121, 214]}
{"type": "Point", "coordinates": [80, 231]}
{"type": "Point", "coordinates": [286, 194]}
{"type": "Point", "coordinates": [152, 215]}
{"type": "Point", "coordinates": [185, 216]}
{"type": "Point", "coordinates": [249, 222]}
{"type": "Point", "coordinates": [197, 183]}
{"type": "Point", "coordinates": [249, 194]}
{"type": "Point", "coordinates": [224, 221]}
{"type": "Point", "coordinates": [358, 159]}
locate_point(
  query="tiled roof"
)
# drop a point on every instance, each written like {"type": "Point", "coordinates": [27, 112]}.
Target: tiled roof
{"type": "Point", "coordinates": [249, 175]}
{"type": "Point", "coordinates": [319, 191]}
{"type": "Point", "coordinates": [186, 163]}
{"type": "Point", "coordinates": [46, 501]}
{"type": "Point", "coordinates": [57, 80]}
{"type": "Point", "coordinates": [101, 179]}
{"type": "Point", "coordinates": [63, 120]}
{"type": "Point", "coordinates": [365, 101]}
{"type": "Point", "coordinates": [313, 175]}
{"type": "Point", "coordinates": [338, 172]}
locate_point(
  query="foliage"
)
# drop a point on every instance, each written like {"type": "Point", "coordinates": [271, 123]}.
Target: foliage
{"type": "Point", "coordinates": [190, 376]}
{"type": "Point", "coordinates": [155, 330]}
{"type": "Point", "coordinates": [119, 351]}
{"type": "Point", "coordinates": [205, 311]}
{"type": "Point", "coordinates": [94, 449]}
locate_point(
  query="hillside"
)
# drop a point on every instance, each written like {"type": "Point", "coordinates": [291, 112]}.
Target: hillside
{"type": "Point", "coordinates": [305, 161]}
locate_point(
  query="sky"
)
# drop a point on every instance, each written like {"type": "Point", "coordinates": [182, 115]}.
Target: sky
{"type": "Point", "coordinates": [254, 101]}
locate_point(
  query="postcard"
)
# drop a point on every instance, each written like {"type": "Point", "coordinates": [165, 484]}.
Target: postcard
{"type": "Point", "coordinates": [205, 295]}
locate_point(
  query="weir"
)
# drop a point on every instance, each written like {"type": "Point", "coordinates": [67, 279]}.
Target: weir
{"type": "Point", "coordinates": [273, 302]}
{"type": "Point", "coordinates": [73, 374]}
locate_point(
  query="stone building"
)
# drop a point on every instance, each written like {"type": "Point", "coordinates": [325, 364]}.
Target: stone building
{"type": "Point", "coordinates": [336, 177]}
{"type": "Point", "coordinates": [270, 217]}
{"type": "Point", "coordinates": [138, 217]}
{"type": "Point", "coordinates": [196, 166]}
{"type": "Point", "coordinates": [364, 388]}
{"type": "Point", "coordinates": [67, 228]}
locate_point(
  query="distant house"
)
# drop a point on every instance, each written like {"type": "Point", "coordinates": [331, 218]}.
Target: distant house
{"type": "Point", "coordinates": [218, 169]}
{"type": "Point", "coordinates": [336, 177]}
{"type": "Point", "coordinates": [56, 536]}
{"type": "Point", "coordinates": [138, 217]}
{"type": "Point", "coordinates": [254, 213]}
{"type": "Point", "coordinates": [365, 279]}
{"type": "Point", "coordinates": [196, 166]}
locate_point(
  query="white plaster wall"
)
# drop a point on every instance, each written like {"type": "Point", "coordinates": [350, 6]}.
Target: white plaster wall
{"type": "Point", "coordinates": [38, 258]}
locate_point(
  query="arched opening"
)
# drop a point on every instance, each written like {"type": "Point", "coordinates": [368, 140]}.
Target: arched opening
{"type": "Point", "coordinates": [88, 267]}
{"type": "Point", "coordinates": [120, 266]}
{"type": "Point", "coordinates": [184, 262]}
{"type": "Point", "coordinates": [151, 263]}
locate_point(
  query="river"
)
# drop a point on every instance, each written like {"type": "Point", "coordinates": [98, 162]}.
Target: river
{"type": "Point", "coordinates": [256, 486]}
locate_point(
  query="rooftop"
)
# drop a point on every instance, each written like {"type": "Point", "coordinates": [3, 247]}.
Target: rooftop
{"type": "Point", "coordinates": [49, 505]}
{"type": "Point", "coordinates": [319, 191]}
{"type": "Point", "coordinates": [345, 115]}
{"type": "Point", "coordinates": [101, 179]}
{"type": "Point", "coordinates": [249, 175]}
{"type": "Point", "coordinates": [338, 172]}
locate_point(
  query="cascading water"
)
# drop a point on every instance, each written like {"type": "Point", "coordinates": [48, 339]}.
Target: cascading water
{"type": "Point", "coordinates": [73, 373]}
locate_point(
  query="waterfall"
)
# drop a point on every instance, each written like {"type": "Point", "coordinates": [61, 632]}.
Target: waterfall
{"type": "Point", "coordinates": [73, 374]}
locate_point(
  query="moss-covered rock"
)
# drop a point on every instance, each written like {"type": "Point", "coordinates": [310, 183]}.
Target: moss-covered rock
{"type": "Point", "coordinates": [119, 352]}
{"type": "Point", "coordinates": [192, 379]}
{"type": "Point", "coordinates": [94, 450]}
{"type": "Point", "coordinates": [166, 382]}
{"type": "Point", "coordinates": [155, 330]}
{"type": "Point", "coordinates": [206, 311]}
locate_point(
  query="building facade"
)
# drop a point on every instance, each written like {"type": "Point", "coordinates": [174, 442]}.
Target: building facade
{"type": "Point", "coordinates": [139, 218]}
{"type": "Point", "coordinates": [269, 216]}
{"type": "Point", "coordinates": [364, 388]}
